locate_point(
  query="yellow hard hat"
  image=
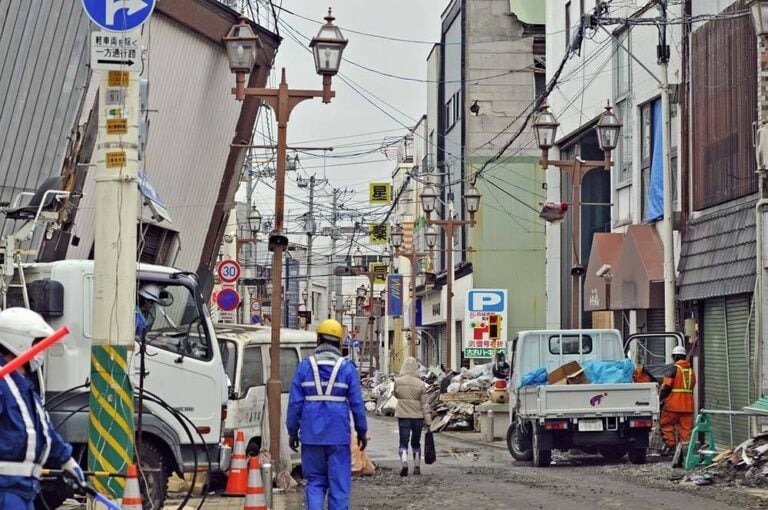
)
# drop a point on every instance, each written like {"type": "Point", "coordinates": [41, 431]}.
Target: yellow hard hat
{"type": "Point", "coordinates": [330, 327]}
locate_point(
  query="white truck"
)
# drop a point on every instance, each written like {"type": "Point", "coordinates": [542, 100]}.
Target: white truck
{"type": "Point", "coordinates": [612, 419]}
{"type": "Point", "coordinates": [245, 353]}
{"type": "Point", "coordinates": [182, 366]}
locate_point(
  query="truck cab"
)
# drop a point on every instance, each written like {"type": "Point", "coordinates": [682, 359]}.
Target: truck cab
{"type": "Point", "coordinates": [182, 368]}
{"type": "Point", "coordinates": [245, 352]}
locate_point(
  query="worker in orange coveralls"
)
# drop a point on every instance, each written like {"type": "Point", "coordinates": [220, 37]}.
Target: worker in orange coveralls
{"type": "Point", "coordinates": [677, 394]}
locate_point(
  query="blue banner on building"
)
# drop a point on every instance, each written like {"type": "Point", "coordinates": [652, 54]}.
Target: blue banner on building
{"type": "Point", "coordinates": [395, 295]}
{"type": "Point", "coordinates": [655, 204]}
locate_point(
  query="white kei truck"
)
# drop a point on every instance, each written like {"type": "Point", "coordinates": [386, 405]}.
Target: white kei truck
{"type": "Point", "coordinates": [612, 419]}
{"type": "Point", "coordinates": [245, 351]}
{"type": "Point", "coordinates": [182, 368]}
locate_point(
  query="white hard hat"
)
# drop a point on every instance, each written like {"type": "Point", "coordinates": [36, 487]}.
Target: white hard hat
{"type": "Point", "coordinates": [679, 350]}
{"type": "Point", "coordinates": [150, 291]}
{"type": "Point", "coordinates": [19, 327]}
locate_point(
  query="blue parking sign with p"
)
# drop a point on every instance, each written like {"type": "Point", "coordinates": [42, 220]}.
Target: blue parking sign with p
{"type": "Point", "coordinates": [486, 300]}
{"type": "Point", "coordinates": [119, 15]}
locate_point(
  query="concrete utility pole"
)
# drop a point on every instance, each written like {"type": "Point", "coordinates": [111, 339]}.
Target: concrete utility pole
{"type": "Point", "coordinates": [111, 434]}
{"type": "Point", "coordinates": [333, 280]}
{"type": "Point", "coordinates": [667, 236]}
{"type": "Point", "coordinates": [311, 230]}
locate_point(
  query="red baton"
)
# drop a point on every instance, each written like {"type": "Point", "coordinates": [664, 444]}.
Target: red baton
{"type": "Point", "coordinates": [33, 351]}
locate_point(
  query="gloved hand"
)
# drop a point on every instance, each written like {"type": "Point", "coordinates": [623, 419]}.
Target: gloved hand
{"type": "Point", "coordinates": [293, 442]}
{"type": "Point", "coordinates": [362, 442]}
{"type": "Point", "coordinates": [73, 474]}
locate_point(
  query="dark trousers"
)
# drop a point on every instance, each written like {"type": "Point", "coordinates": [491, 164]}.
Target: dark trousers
{"type": "Point", "coordinates": [410, 428]}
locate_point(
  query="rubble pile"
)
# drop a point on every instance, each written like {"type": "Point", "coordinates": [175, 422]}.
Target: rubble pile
{"type": "Point", "coordinates": [450, 397]}
{"type": "Point", "coordinates": [746, 465]}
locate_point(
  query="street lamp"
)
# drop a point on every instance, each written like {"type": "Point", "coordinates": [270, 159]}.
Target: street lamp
{"type": "Point", "coordinates": [254, 221]}
{"type": "Point", "coordinates": [242, 43]}
{"type": "Point", "coordinates": [305, 296]}
{"type": "Point", "coordinates": [759, 15]}
{"type": "Point", "coordinates": [357, 258]}
{"type": "Point", "coordinates": [396, 237]}
{"type": "Point", "coordinates": [608, 129]}
{"type": "Point", "coordinates": [472, 203]}
{"type": "Point", "coordinates": [428, 199]}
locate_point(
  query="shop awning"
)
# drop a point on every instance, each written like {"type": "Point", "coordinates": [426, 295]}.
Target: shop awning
{"type": "Point", "coordinates": [717, 257]}
{"type": "Point", "coordinates": [603, 262]}
{"type": "Point", "coordinates": [638, 281]}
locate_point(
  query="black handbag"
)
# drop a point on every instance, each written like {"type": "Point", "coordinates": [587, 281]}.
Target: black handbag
{"type": "Point", "coordinates": [429, 448]}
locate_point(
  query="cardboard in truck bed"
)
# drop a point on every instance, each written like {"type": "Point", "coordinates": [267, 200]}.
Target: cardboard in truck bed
{"type": "Point", "coordinates": [570, 373]}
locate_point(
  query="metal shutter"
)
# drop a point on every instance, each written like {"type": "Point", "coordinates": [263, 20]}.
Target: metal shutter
{"type": "Point", "coordinates": [726, 370]}
{"type": "Point", "coordinates": [654, 319]}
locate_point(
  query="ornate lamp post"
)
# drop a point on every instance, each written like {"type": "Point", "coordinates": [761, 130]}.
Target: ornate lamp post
{"type": "Point", "coordinates": [545, 129]}
{"type": "Point", "coordinates": [327, 47]}
{"type": "Point", "coordinates": [472, 204]}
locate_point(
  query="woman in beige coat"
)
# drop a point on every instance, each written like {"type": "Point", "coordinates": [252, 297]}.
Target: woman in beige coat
{"type": "Point", "coordinates": [412, 412]}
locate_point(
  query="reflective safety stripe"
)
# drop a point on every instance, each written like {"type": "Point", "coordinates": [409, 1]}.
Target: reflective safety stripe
{"type": "Point", "coordinates": [29, 425]}
{"type": "Point", "coordinates": [44, 425]}
{"type": "Point", "coordinates": [308, 384]}
{"type": "Point", "coordinates": [25, 469]}
{"type": "Point", "coordinates": [325, 398]}
{"type": "Point", "coordinates": [687, 376]}
{"type": "Point", "coordinates": [330, 384]}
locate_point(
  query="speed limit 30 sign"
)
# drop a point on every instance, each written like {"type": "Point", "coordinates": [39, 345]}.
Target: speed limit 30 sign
{"type": "Point", "coordinates": [228, 271]}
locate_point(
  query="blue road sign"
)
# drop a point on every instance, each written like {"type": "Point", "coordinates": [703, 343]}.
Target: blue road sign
{"type": "Point", "coordinates": [119, 15]}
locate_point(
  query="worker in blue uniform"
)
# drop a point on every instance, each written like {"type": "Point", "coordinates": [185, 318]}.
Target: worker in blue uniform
{"type": "Point", "coordinates": [29, 440]}
{"type": "Point", "coordinates": [325, 389]}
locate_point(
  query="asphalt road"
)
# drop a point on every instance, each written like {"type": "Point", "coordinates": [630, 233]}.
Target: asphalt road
{"type": "Point", "coordinates": [471, 474]}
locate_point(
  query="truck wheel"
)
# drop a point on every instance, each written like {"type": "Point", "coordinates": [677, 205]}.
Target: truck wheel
{"type": "Point", "coordinates": [541, 457]}
{"type": "Point", "coordinates": [638, 455]}
{"type": "Point", "coordinates": [519, 441]}
{"type": "Point", "coordinates": [613, 452]}
{"type": "Point", "coordinates": [154, 483]}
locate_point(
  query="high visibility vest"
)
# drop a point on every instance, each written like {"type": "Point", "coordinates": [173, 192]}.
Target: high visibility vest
{"type": "Point", "coordinates": [686, 374]}
{"type": "Point", "coordinates": [330, 384]}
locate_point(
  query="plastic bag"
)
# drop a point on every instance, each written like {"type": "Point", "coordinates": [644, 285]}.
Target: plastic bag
{"type": "Point", "coordinates": [362, 465]}
{"type": "Point", "coordinates": [430, 456]}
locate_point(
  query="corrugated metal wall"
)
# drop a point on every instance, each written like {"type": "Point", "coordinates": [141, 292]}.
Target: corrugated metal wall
{"type": "Point", "coordinates": [724, 88]}
{"type": "Point", "coordinates": [43, 75]}
{"type": "Point", "coordinates": [192, 123]}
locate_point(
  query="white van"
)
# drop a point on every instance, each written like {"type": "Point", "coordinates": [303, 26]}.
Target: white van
{"type": "Point", "coordinates": [245, 354]}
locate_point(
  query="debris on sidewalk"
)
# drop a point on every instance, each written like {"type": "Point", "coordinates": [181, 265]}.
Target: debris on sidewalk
{"type": "Point", "coordinates": [744, 466]}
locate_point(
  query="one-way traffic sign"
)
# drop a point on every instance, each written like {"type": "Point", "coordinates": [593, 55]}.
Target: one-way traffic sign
{"type": "Point", "coordinates": [116, 52]}
{"type": "Point", "coordinates": [119, 15]}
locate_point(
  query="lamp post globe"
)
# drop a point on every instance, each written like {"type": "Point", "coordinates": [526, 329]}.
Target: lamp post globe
{"type": "Point", "coordinates": [545, 127]}
{"type": "Point", "coordinates": [608, 129]}
{"type": "Point", "coordinates": [759, 15]}
{"type": "Point", "coordinates": [241, 43]}
{"type": "Point", "coordinates": [361, 291]}
{"type": "Point", "coordinates": [327, 47]}
{"type": "Point", "coordinates": [254, 221]}
{"type": "Point", "coordinates": [472, 199]}
{"type": "Point", "coordinates": [428, 198]}
{"type": "Point", "coordinates": [431, 236]}
{"type": "Point", "coordinates": [357, 258]}
{"type": "Point", "coordinates": [396, 236]}
{"type": "Point", "coordinates": [386, 257]}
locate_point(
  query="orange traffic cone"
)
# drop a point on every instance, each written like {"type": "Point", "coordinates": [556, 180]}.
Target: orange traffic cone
{"type": "Point", "coordinates": [132, 494]}
{"type": "Point", "coordinates": [254, 493]}
{"type": "Point", "coordinates": [238, 472]}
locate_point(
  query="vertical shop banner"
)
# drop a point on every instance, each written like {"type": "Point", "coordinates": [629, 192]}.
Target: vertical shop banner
{"type": "Point", "coordinates": [395, 295]}
{"type": "Point", "coordinates": [484, 323]}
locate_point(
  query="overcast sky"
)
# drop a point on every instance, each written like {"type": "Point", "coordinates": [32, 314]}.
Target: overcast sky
{"type": "Point", "coordinates": [351, 114]}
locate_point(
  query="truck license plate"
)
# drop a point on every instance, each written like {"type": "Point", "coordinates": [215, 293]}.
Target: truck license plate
{"type": "Point", "coordinates": [590, 425]}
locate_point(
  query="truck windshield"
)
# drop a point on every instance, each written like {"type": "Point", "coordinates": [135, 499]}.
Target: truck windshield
{"type": "Point", "coordinates": [174, 322]}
